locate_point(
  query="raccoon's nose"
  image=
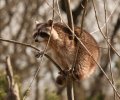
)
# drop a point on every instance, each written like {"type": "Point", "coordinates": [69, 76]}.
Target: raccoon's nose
{"type": "Point", "coordinates": [36, 40]}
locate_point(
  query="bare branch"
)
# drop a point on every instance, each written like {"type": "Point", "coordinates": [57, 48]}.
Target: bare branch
{"type": "Point", "coordinates": [69, 15]}
{"type": "Point", "coordinates": [33, 47]}
{"type": "Point", "coordinates": [13, 93]}
{"type": "Point", "coordinates": [102, 32]}
{"type": "Point", "coordinates": [90, 55]}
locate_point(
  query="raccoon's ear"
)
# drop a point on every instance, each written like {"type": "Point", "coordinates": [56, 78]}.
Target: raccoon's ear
{"type": "Point", "coordinates": [37, 23]}
{"type": "Point", "coordinates": [50, 22]}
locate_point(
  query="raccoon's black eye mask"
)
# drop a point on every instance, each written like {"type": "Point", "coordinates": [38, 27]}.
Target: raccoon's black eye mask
{"type": "Point", "coordinates": [41, 33]}
{"type": "Point", "coordinates": [44, 34]}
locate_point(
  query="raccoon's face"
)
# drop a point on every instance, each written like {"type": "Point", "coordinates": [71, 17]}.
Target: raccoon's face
{"type": "Point", "coordinates": [43, 32]}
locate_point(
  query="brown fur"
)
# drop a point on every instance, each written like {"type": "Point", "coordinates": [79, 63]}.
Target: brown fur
{"type": "Point", "coordinates": [64, 49]}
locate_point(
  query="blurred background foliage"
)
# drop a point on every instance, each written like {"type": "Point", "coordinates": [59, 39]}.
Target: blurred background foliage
{"type": "Point", "coordinates": [17, 22]}
{"type": "Point", "coordinates": [3, 86]}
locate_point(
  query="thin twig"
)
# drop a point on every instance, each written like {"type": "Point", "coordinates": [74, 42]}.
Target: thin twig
{"type": "Point", "coordinates": [34, 77]}
{"type": "Point", "coordinates": [69, 15]}
{"type": "Point", "coordinates": [77, 53]}
{"type": "Point", "coordinates": [59, 10]}
{"type": "Point", "coordinates": [28, 45]}
{"type": "Point", "coordinates": [100, 68]}
{"type": "Point", "coordinates": [109, 53]}
{"type": "Point", "coordinates": [113, 11]}
{"type": "Point", "coordinates": [37, 87]}
{"type": "Point", "coordinates": [69, 87]}
{"type": "Point", "coordinates": [71, 25]}
{"type": "Point", "coordinates": [66, 24]}
{"type": "Point", "coordinates": [41, 59]}
{"type": "Point", "coordinates": [108, 44]}
{"type": "Point", "coordinates": [16, 42]}
{"type": "Point", "coordinates": [53, 10]}
{"type": "Point", "coordinates": [33, 47]}
{"type": "Point", "coordinates": [89, 54]}
{"type": "Point", "coordinates": [101, 30]}
{"type": "Point", "coordinates": [58, 67]}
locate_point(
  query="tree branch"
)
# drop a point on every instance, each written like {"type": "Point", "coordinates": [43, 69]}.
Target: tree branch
{"type": "Point", "coordinates": [33, 47]}
{"type": "Point", "coordinates": [13, 92]}
{"type": "Point", "coordinates": [69, 15]}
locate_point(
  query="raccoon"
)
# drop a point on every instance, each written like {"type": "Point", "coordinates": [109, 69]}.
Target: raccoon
{"type": "Point", "coordinates": [64, 48]}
